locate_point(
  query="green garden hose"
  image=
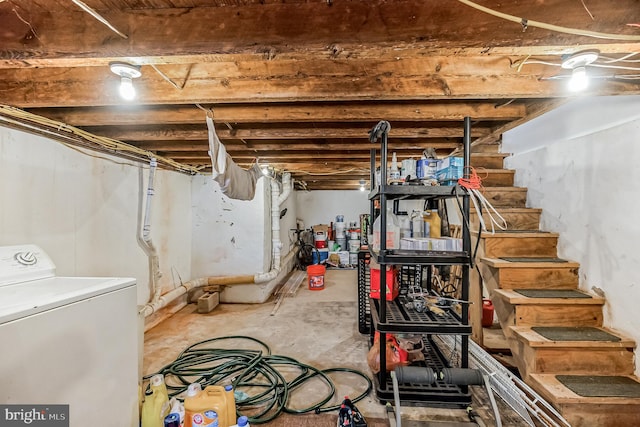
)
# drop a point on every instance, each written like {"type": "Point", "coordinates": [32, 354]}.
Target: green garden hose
{"type": "Point", "coordinates": [254, 369]}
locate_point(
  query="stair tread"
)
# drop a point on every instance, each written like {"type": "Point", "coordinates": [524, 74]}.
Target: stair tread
{"type": "Point", "coordinates": [504, 189]}
{"type": "Point", "coordinates": [555, 391]}
{"type": "Point", "coordinates": [480, 154]}
{"type": "Point", "coordinates": [516, 298]}
{"type": "Point", "coordinates": [494, 170]}
{"type": "Point", "coordinates": [533, 339]}
{"type": "Point", "coordinates": [514, 210]}
{"type": "Point", "coordinates": [519, 234]}
{"type": "Point", "coordinates": [501, 263]}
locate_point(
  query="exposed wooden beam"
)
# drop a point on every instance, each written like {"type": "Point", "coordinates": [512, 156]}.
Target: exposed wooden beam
{"type": "Point", "coordinates": [354, 25]}
{"type": "Point", "coordinates": [281, 133]}
{"type": "Point", "coordinates": [239, 147]}
{"type": "Point", "coordinates": [98, 87]}
{"type": "Point", "coordinates": [297, 113]}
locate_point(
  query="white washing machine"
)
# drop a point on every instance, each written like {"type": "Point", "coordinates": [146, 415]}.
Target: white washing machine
{"type": "Point", "coordinates": [67, 340]}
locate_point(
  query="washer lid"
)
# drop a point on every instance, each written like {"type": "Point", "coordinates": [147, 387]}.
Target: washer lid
{"type": "Point", "coordinates": [24, 263]}
{"type": "Point", "coordinates": [24, 299]}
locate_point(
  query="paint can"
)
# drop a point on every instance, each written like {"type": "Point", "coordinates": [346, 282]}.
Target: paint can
{"type": "Point", "coordinates": [342, 242]}
{"type": "Point", "coordinates": [354, 245]}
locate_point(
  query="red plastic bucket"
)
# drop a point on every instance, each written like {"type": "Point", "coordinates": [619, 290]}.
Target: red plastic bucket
{"type": "Point", "coordinates": [315, 277]}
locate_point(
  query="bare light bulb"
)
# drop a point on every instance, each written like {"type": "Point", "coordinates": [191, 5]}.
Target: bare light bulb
{"type": "Point", "coordinates": [579, 79]}
{"type": "Point", "coordinates": [362, 185]}
{"type": "Point", "coordinates": [127, 91]}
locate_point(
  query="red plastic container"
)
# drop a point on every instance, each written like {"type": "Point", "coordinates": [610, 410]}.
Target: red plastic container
{"type": "Point", "coordinates": [487, 313]}
{"type": "Point", "coordinates": [393, 287]}
{"type": "Point", "coordinates": [315, 277]}
{"type": "Point", "coordinates": [321, 244]}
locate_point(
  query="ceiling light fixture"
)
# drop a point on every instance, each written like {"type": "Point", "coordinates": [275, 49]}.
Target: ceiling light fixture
{"type": "Point", "coordinates": [362, 182]}
{"type": "Point", "coordinates": [577, 63]}
{"type": "Point", "coordinates": [127, 73]}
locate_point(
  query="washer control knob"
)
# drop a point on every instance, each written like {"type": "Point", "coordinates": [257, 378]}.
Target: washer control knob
{"type": "Point", "coordinates": [26, 258]}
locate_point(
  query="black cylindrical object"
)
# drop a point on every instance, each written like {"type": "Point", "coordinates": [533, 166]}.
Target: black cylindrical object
{"type": "Point", "coordinates": [425, 376]}
{"type": "Point", "coordinates": [415, 375]}
{"type": "Point", "coordinates": [462, 376]}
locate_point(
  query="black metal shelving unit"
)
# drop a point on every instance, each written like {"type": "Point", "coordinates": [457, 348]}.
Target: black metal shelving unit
{"type": "Point", "coordinates": [394, 316]}
{"type": "Point", "coordinates": [409, 275]}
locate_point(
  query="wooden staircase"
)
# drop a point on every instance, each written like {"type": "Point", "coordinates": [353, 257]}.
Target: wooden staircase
{"type": "Point", "coordinates": [554, 330]}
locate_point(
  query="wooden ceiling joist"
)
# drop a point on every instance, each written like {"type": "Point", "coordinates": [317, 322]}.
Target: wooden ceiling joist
{"type": "Point", "coordinates": [285, 113]}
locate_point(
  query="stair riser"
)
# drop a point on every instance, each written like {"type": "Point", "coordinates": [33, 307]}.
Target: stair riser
{"type": "Point", "coordinates": [540, 278]}
{"type": "Point", "coordinates": [496, 247]}
{"type": "Point", "coordinates": [485, 148]}
{"type": "Point", "coordinates": [601, 415]}
{"type": "Point", "coordinates": [588, 411]}
{"type": "Point", "coordinates": [558, 315]}
{"type": "Point", "coordinates": [574, 361]}
{"type": "Point", "coordinates": [497, 179]}
{"type": "Point", "coordinates": [515, 221]}
{"type": "Point", "coordinates": [500, 198]}
{"type": "Point", "coordinates": [487, 162]}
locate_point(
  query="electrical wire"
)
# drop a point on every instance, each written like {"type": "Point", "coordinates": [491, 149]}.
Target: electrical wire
{"type": "Point", "coordinates": [99, 17]}
{"type": "Point", "coordinates": [87, 139]}
{"type": "Point", "coordinates": [256, 371]}
{"type": "Point", "coordinates": [531, 23]}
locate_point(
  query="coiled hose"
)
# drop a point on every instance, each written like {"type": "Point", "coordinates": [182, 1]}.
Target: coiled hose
{"type": "Point", "coordinates": [253, 370]}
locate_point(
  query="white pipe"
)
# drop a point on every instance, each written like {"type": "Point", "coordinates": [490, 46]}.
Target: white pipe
{"type": "Point", "coordinates": [145, 241]}
{"type": "Point", "coordinates": [162, 301]}
{"type": "Point", "coordinates": [277, 199]}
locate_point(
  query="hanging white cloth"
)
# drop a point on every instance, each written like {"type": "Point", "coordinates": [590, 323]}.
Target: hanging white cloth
{"type": "Point", "coordinates": [235, 182]}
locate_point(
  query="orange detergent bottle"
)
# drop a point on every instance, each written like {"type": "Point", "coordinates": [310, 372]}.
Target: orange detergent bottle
{"type": "Point", "coordinates": [215, 406]}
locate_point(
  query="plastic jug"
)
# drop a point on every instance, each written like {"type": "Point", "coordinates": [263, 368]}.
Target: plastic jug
{"type": "Point", "coordinates": [154, 409]}
{"type": "Point", "coordinates": [435, 223]}
{"type": "Point", "coordinates": [159, 387]}
{"type": "Point", "coordinates": [393, 231]}
{"type": "Point", "coordinates": [215, 406]}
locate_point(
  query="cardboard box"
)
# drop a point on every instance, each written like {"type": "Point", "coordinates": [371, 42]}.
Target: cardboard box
{"type": "Point", "coordinates": [341, 256]}
{"type": "Point", "coordinates": [320, 228]}
{"type": "Point", "coordinates": [450, 169]}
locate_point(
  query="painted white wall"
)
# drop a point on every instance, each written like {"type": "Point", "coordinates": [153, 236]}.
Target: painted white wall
{"type": "Point", "coordinates": [322, 206]}
{"type": "Point", "coordinates": [230, 237]}
{"type": "Point", "coordinates": [580, 164]}
{"type": "Point", "coordinates": [233, 237]}
{"type": "Point", "coordinates": [83, 210]}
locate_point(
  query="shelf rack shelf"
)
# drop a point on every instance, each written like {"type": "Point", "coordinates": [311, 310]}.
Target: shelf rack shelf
{"type": "Point", "coordinates": [394, 316]}
{"type": "Point", "coordinates": [400, 319]}
{"type": "Point", "coordinates": [440, 393]}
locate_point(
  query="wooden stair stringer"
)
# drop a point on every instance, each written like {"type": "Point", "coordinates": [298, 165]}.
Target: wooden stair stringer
{"type": "Point", "coordinates": [539, 360]}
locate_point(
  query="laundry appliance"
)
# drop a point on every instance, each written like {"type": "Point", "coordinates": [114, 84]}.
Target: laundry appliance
{"type": "Point", "coordinates": [67, 340]}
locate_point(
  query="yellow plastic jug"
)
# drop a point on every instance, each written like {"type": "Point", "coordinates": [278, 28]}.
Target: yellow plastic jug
{"type": "Point", "coordinates": [154, 409]}
{"type": "Point", "coordinates": [215, 406]}
{"type": "Point", "coordinates": [435, 223]}
{"type": "Point", "coordinates": [158, 386]}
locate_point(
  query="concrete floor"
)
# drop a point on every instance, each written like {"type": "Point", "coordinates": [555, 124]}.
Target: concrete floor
{"type": "Point", "coordinates": [315, 327]}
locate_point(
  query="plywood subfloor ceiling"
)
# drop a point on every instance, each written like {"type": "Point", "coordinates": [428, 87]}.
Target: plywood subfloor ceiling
{"type": "Point", "coordinates": [297, 84]}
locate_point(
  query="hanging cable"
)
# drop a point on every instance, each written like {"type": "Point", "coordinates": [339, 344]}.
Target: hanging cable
{"type": "Point", "coordinates": [530, 23]}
